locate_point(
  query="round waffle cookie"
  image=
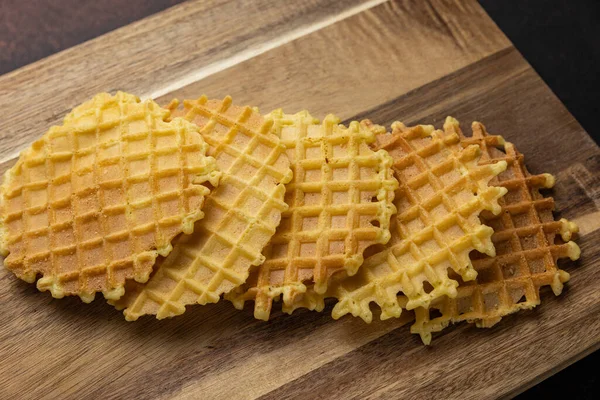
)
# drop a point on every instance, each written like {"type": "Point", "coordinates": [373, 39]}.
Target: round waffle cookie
{"type": "Point", "coordinates": [442, 192]}
{"type": "Point", "coordinates": [241, 213]}
{"type": "Point", "coordinates": [528, 242]}
{"type": "Point", "coordinates": [340, 204]}
{"type": "Point", "coordinates": [94, 201]}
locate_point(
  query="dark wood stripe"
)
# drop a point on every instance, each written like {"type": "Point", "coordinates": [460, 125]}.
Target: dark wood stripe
{"type": "Point", "coordinates": [505, 94]}
{"type": "Point", "coordinates": [34, 29]}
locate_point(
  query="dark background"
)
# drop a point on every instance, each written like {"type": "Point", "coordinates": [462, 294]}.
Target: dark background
{"type": "Point", "coordinates": [559, 38]}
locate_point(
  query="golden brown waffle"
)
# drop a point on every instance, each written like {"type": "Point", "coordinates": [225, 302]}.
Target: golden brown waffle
{"type": "Point", "coordinates": [528, 244]}
{"type": "Point", "coordinates": [241, 214]}
{"type": "Point", "coordinates": [94, 201]}
{"type": "Point", "coordinates": [340, 203]}
{"type": "Point", "coordinates": [442, 192]}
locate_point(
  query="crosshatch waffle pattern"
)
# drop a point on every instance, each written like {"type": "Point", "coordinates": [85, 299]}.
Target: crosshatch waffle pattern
{"type": "Point", "coordinates": [528, 244]}
{"type": "Point", "coordinates": [241, 213]}
{"type": "Point", "coordinates": [94, 201]}
{"type": "Point", "coordinates": [341, 201]}
{"type": "Point", "coordinates": [442, 192]}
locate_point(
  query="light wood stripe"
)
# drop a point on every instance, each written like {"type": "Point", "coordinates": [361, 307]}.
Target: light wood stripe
{"type": "Point", "coordinates": [246, 54]}
{"type": "Point", "coordinates": [367, 59]}
{"type": "Point", "coordinates": [147, 56]}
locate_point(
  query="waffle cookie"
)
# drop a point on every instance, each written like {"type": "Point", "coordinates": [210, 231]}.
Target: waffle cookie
{"type": "Point", "coordinates": [442, 192]}
{"type": "Point", "coordinates": [528, 244]}
{"type": "Point", "coordinates": [241, 213]}
{"type": "Point", "coordinates": [96, 200]}
{"type": "Point", "coordinates": [340, 203]}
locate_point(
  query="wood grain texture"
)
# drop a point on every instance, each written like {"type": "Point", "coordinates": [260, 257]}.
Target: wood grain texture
{"type": "Point", "coordinates": [34, 29]}
{"type": "Point", "coordinates": [405, 60]}
{"type": "Point", "coordinates": [366, 59]}
{"type": "Point", "coordinates": [184, 42]}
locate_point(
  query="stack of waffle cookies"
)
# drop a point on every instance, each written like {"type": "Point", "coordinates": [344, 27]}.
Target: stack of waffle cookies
{"type": "Point", "coordinates": [159, 208]}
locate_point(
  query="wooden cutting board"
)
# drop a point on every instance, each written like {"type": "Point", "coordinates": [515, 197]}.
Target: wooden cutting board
{"type": "Point", "coordinates": [415, 61]}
